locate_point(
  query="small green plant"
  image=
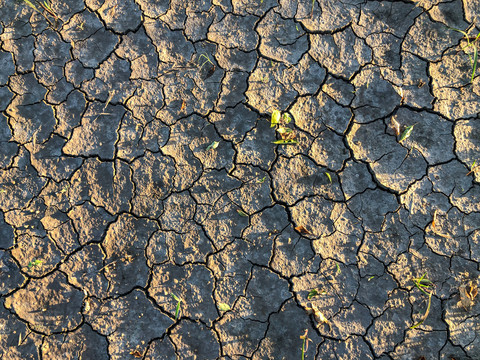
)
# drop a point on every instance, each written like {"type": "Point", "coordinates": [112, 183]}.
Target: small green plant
{"type": "Point", "coordinates": [213, 145]}
{"type": "Point", "coordinates": [35, 263]}
{"type": "Point", "coordinates": [45, 9]}
{"type": "Point", "coordinates": [473, 168]}
{"type": "Point", "coordinates": [177, 308]}
{"type": "Point", "coordinates": [207, 61]}
{"type": "Point", "coordinates": [329, 177]}
{"type": "Point", "coordinates": [471, 43]}
{"type": "Point", "coordinates": [428, 288]}
{"type": "Point", "coordinates": [242, 213]}
{"type": "Point", "coordinates": [262, 180]}
{"type": "Point", "coordinates": [223, 307]}
{"type": "Point", "coordinates": [406, 133]}
{"type": "Point", "coordinates": [315, 292]}
{"type": "Point", "coordinates": [305, 339]}
{"type": "Point", "coordinates": [287, 135]}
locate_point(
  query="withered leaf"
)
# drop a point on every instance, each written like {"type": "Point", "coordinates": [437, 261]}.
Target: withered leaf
{"type": "Point", "coordinates": [210, 72]}
{"type": "Point", "coordinates": [136, 353]}
{"type": "Point", "coordinates": [318, 316]}
{"type": "Point", "coordinates": [468, 292]}
{"type": "Point", "coordinates": [395, 126]}
{"type": "Point", "coordinates": [434, 221]}
{"type": "Point", "coordinates": [301, 229]}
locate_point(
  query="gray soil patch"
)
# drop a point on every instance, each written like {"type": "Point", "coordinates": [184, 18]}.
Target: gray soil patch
{"type": "Point", "coordinates": [150, 208]}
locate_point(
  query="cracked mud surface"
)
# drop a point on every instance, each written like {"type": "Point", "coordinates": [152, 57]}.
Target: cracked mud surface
{"type": "Point", "coordinates": [137, 167]}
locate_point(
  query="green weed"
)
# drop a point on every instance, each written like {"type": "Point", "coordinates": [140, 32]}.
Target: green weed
{"type": "Point", "coordinates": [471, 43]}
{"type": "Point", "coordinates": [34, 263]}
{"type": "Point", "coordinates": [287, 135]}
{"type": "Point", "coordinates": [428, 288]}
{"type": "Point", "coordinates": [177, 308]}
{"type": "Point", "coordinates": [213, 145]}
{"type": "Point", "coordinates": [305, 339]}
{"type": "Point", "coordinates": [45, 9]}
{"type": "Point", "coordinates": [224, 307]}
{"type": "Point", "coordinates": [473, 168]}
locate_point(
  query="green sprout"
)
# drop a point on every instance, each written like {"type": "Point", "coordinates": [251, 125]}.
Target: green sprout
{"type": "Point", "coordinates": [177, 308]}
{"type": "Point", "coordinates": [406, 133]}
{"type": "Point", "coordinates": [305, 339]}
{"type": "Point", "coordinates": [428, 288]}
{"type": "Point", "coordinates": [224, 307]}
{"type": "Point", "coordinates": [45, 9]}
{"type": "Point", "coordinates": [470, 44]}
{"type": "Point", "coordinates": [34, 263]}
{"type": "Point", "coordinates": [213, 145]}
{"type": "Point", "coordinates": [287, 135]}
{"type": "Point", "coordinates": [207, 60]}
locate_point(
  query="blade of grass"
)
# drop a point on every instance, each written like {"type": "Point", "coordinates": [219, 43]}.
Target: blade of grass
{"type": "Point", "coordinates": [177, 311]}
{"type": "Point", "coordinates": [475, 59]}
{"type": "Point", "coordinates": [285, 142]}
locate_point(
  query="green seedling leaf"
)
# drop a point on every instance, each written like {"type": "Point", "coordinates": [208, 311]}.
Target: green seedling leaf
{"type": "Point", "coordinates": [284, 130]}
{"type": "Point", "coordinates": [31, 5]}
{"type": "Point", "coordinates": [177, 308]}
{"type": "Point", "coordinates": [213, 145]}
{"type": "Point", "coordinates": [223, 307]}
{"type": "Point", "coordinates": [35, 262]}
{"type": "Point", "coordinates": [177, 311]}
{"type": "Point", "coordinates": [242, 213]}
{"type": "Point", "coordinates": [371, 277]}
{"type": "Point", "coordinates": [287, 119]}
{"type": "Point", "coordinates": [424, 317]}
{"type": "Point", "coordinates": [262, 180]}
{"type": "Point", "coordinates": [312, 293]}
{"type": "Point", "coordinates": [329, 177]}
{"type": "Point", "coordinates": [406, 133]}
{"type": "Point", "coordinates": [275, 118]}
{"type": "Point", "coordinates": [339, 271]}
{"type": "Point", "coordinates": [475, 61]}
{"type": "Point", "coordinates": [285, 142]}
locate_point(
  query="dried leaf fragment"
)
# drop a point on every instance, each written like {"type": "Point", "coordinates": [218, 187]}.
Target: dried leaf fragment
{"type": "Point", "coordinates": [434, 221]}
{"type": "Point", "coordinates": [468, 292]}
{"type": "Point", "coordinates": [284, 130]}
{"type": "Point", "coordinates": [301, 229]}
{"type": "Point", "coordinates": [136, 353]}
{"type": "Point", "coordinates": [318, 316]}
{"type": "Point", "coordinates": [395, 126]}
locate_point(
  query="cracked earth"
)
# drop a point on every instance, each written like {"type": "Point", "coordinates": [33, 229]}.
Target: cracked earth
{"type": "Point", "coordinates": [138, 172]}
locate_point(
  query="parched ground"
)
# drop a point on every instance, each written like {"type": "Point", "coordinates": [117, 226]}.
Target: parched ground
{"type": "Point", "coordinates": [146, 211]}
